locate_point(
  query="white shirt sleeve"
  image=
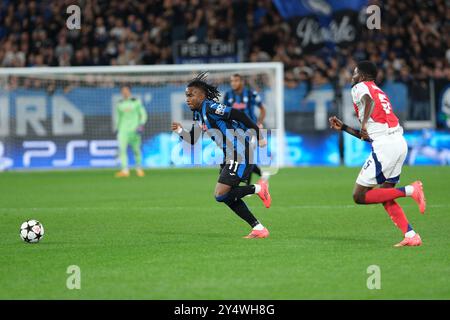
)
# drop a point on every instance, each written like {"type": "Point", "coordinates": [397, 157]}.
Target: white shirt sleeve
{"type": "Point", "coordinates": [358, 91]}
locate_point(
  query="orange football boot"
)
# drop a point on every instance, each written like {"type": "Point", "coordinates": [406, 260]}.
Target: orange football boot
{"type": "Point", "coordinates": [122, 174]}
{"type": "Point", "coordinates": [410, 242]}
{"type": "Point", "coordinates": [419, 196]}
{"type": "Point", "coordinates": [264, 193]}
{"type": "Point", "coordinates": [140, 172]}
{"type": "Point", "coordinates": [264, 233]}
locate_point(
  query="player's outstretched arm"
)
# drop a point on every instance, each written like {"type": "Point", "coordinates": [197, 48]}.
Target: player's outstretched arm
{"type": "Point", "coordinates": [191, 136]}
{"type": "Point", "coordinates": [337, 124]}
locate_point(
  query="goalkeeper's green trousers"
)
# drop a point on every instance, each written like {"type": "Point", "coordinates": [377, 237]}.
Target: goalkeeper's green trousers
{"type": "Point", "coordinates": [133, 139]}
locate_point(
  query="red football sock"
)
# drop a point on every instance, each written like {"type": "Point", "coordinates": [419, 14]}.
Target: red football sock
{"type": "Point", "coordinates": [397, 215]}
{"type": "Point", "coordinates": [382, 195]}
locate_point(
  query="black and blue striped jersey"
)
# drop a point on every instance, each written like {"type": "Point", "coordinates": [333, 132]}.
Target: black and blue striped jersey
{"type": "Point", "coordinates": [246, 101]}
{"type": "Point", "coordinates": [227, 122]}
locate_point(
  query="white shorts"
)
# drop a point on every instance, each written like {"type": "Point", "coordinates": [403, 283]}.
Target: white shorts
{"type": "Point", "coordinates": [385, 162]}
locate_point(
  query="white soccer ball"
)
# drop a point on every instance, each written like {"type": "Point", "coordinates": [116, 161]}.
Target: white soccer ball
{"type": "Point", "coordinates": [31, 231]}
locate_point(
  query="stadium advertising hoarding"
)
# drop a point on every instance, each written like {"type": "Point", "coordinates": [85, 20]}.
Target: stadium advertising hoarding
{"type": "Point", "coordinates": [425, 147]}
{"type": "Point", "coordinates": [75, 129]}
{"type": "Point", "coordinates": [442, 92]}
{"type": "Point", "coordinates": [215, 51]}
{"type": "Point", "coordinates": [319, 23]}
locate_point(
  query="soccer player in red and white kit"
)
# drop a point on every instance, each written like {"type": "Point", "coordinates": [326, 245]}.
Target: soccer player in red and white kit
{"type": "Point", "coordinates": [381, 128]}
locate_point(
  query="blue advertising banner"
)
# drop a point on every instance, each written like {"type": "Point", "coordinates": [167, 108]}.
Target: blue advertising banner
{"type": "Point", "coordinates": [425, 147]}
{"type": "Point", "coordinates": [443, 114]}
{"type": "Point", "coordinates": [74, 128]}
{"type": "Point", "coordinates": [318, 22]}
{"type": "Point", "coordinates": [160, 150]}
{"type": "Point", "coordinates": [312, 149]}
{"type": "Point", "coordinates": [428, 147]}
{"type": "Point", "coordinates": [294, 8]}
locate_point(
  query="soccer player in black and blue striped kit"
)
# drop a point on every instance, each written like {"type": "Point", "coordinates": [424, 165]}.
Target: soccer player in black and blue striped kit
{"type": "Point", "coordinates": [223, 124]}
{"type": "Point", "coordinates": [245, 99]}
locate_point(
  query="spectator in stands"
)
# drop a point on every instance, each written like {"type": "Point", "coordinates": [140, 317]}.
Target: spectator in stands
{"type": "Point", "coordinates": [420, 100]}
{"type": "Point", "coordinates": [63, 48]}
{"type": "Point", "coordinates": [414, 37]}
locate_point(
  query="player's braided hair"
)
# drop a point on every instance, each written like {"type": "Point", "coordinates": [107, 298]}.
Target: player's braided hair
{"type": "Point", "coordinates": [211, 91]}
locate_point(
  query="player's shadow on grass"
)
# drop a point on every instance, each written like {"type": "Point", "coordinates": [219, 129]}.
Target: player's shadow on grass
{"type": "Point", "coordinates": [358, 240]}
{"type": "Point", "coordinates": [195, 235]}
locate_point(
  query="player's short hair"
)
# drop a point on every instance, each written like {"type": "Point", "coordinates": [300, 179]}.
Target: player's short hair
{"type": "Point", "coordinates": [211, 91]}
{"type": "Point", "coordinates": [367, 68]}
{"type": "Point", "coordinates": [237, 75]}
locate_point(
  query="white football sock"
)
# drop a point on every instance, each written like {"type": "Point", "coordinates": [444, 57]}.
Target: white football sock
{"type": "Point", "coordinates": [265, 176]}
{"type": "Point", "coordinates": [409, 191]}
{"type": "Point", "coordinates": [259, 227]}
{"type": "Point", "coordinates": [257, 188]}
{"type": "Point", "coordinates": [410, 234]}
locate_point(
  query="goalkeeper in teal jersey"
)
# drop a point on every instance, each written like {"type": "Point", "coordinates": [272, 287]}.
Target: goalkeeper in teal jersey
{"type": "Point", "coordinates": [130, 120]}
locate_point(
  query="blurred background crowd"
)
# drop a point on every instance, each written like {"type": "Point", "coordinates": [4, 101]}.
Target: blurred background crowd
{"type": "Point", "coordinates": [413, 42]}
{"type": "Point", "coordinates": [412, 46]}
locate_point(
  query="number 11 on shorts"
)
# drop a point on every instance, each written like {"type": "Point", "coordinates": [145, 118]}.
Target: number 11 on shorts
{"type": "Point", "coordinates": [235, 165]}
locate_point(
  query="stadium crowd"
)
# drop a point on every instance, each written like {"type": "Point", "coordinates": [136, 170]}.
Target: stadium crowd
{"type": "Point", "coordinates": [413, 43]}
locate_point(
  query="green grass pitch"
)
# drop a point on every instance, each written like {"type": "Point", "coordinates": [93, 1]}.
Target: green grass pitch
{"type": "Point", "coordinates": [165, 237]}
